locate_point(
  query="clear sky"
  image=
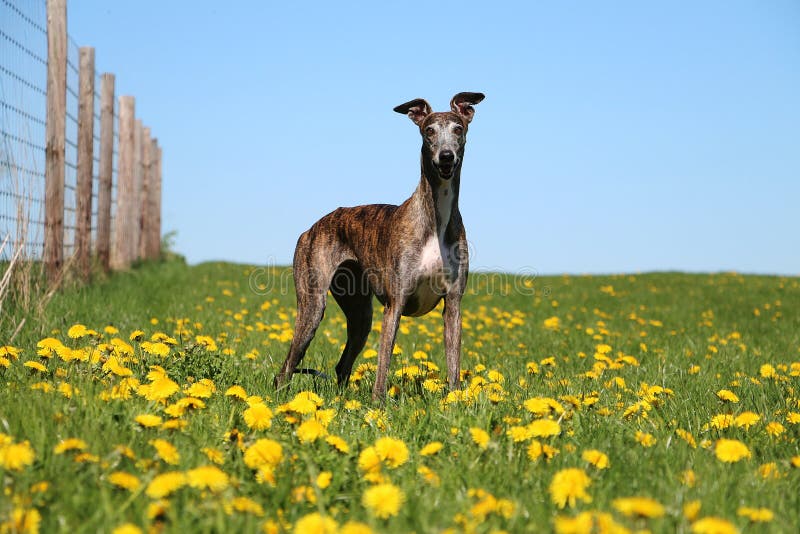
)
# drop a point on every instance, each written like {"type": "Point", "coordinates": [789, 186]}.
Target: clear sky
{"type": "Point", "coordinates": [615, 136]}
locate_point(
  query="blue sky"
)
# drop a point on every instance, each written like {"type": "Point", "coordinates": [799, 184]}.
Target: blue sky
{"type": "Point", "coordinates": [615, 136]}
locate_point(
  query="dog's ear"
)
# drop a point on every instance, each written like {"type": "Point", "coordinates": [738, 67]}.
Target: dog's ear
{"type": "Point", "coordinates": [462, 104]}
{"type": "Point", "coordinates": [416, 110]}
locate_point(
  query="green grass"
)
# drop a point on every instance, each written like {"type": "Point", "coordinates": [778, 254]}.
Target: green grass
{"type": "Point", "coordinates": [692, 334]}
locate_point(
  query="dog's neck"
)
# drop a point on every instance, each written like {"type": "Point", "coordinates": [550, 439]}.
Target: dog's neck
{"type": "Point", "coordinates": [436, 199]}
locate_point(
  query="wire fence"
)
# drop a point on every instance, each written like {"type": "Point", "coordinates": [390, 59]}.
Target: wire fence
{"type": "Point", "coordinates": [24, 57]}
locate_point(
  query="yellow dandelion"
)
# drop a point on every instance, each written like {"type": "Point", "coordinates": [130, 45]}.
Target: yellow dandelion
{"type": "Point", "coordinates": [161, 388]}
{"type": "Point", "coordinates": [148, 420]}
{"type": "Point", "coordinates": [316, 523]}
{"type": "Point", "coordinates": [369, 461]}
{"type": "Point", "coordinates": [16, 456]}
{"type": "Point", "coordinates": [124, 480]}
{"type": "Point", "coordinates": [569, 485]}
{"type": "Point", "coordinates": [775, 429]}
{"type": "Point", "coordinates": [756, 515]}
{"type": "Point", "coordinates": [596, 458]}
{"type": "Point", "coordinates": [156, 349]}
{"type": "Point", "coordinates": [263, 452]}
{"type": "Point", "coordinates": [202, 389]}
{"type": "Point", "coordinates": [746, 420]}
{"type": "Point", "coordinates": [77, 331]}
{"type": "Point", "coordinates": [479, 437]}
{"type": "Point", "coordinates": [431, 448]}
{"type": "Point", "coordinates": [165, 484]}
{"type": "Point", "coordinates": [207, 477]}
{"type": "Point", "coordinates": [644, 439]}
{"type": "Point", "coordinates": [237, 392]}
{"type": "Point", "coordinates": [310, 430]}
{"type": "Point", "coordinates": [639, 507]}
{"type": "Point", "coordinates": [136, 335]}
{"type": "Point", "coordinates": [731, 450]}
{"type": "Point", "coordinates": [727, 395]}
{"type": "Point", "coordinates": [338, 443]}
{"type": "Point", "coordinates": [166, 451]}
{"type": "Point", "coordinates": [244, 505]}
{"type": "Point", "coordinates": [692, 509]}
{"type": "Point", "coordinates": [258, 416]}
{"type": "Point", "coordinates": [544, 428]}
{"type": "Point", "coordinates": [383, 500]}
{"type": "Point", "coordinates": [70, 444]}
{"type": "Point", "coordinates": [713, 525]}
{"type": "Point", "coordinates": [324, 479]}
{"type": "Point", "coordinates": [214, 455]}
{"type": "Point", "coordinates": [393, 452]}
{"type": "Point", "coordinates": [127, 528]}
{"type": "Point", "coordinates": [36, 366]}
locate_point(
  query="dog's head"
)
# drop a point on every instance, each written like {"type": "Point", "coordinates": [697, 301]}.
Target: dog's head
{"type": "Point", "coordinates": [444, 134]}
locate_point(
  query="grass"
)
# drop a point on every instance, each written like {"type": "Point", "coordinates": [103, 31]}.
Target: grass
{"type": "Point", "coordinates": [629, 361]}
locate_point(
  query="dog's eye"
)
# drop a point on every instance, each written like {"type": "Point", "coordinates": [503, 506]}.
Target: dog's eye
{"type": "Point", "coordinates": [458, 130]}
{"type": "Point", "coordinates": [429, 131]}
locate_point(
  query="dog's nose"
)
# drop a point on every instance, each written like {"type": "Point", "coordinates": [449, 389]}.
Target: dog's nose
{"type": "Point", "coordinates": [447, 157]}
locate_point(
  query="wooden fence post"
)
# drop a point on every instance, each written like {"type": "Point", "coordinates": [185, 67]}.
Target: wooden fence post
{"type": "Point", "coordinates": [157, 187]}
{"type": "Point", "coordinates": [123, 221]}
{"type": "Point", "coordinates": [105, 173]}
{"type": "Point", "coordinates": [83, 201]}
{"type": "Point", "coordinates": [145, 219]}
{"type": "Point", "coordinates": [55, 133]}
{"type": "Point", "coordinates": [138, 133]}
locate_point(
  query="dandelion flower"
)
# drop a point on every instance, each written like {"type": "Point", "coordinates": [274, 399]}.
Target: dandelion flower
{"type": "Point", "coordinates": [16, 456]}
{"type": "Point", "coordinates": [544, 428]}
{"type": "Point", "coordinates": [775, 429]}
{"type": "Point", "coordinates": [165, 484]}
{"type": "Point", "coordinates": [756, 515]}
{"type": "Point", "coordinates": [355, 527]}
{"type": "Point", "coordinates": [479, 437]}
{"type": "Point", "coordinates": [71, 444]}
{"type": "Point", "coordinates": [207, 477]}
{"type": "Point", "coordinates": [162, 388]}
{"type": "Point", "coordinates": [431, 448]}
{"type": "Point", "coordinates": [727, 395]}
{"type": "Point", "coordinates": [311, 430]}
{"type": "Point", "coordinates": [324, 479]}
{"type": "Point", "coordinates": [391, 451]}
{"type": "Point", "coordinates": [263, 452]}
{"type": "Point", "coordinates": [316, 523]}
{"type": "Point", "coordinates": [127, 528]}
{"type": "Point", "coordinates": [22, 520]}
{"type": "Point", "coordinates": [644, 439]}
{"type": "Point", "coordinates": [148, 420]}
{"type": "Point", "coordinates": [124, 480]}
{"type": "Point", "coordinates": [338, 443]}
{"type": "Point", "coordinates": [731, 450]}
{"type": "Point", "coordinates": [166, 451]}
{"type": "Point", "coordinates": [77, 331]}
{"type": "Point", "coordinates": [244, 505]}
{"type": "Point", "coordinates": [237, 392]}
{"type": "Point", "coordinates": [258, 416]}
{"type": "Point", "coordinates": [383, 500]}
{"type": "Point", "coordinates": [36, 366]}
{"type": "Point", "coordinates": [713, 525]}
{"type": "Point", "coordinates": [638, 507]}
{"type": "Point", "coordinates": [569, 485]}
{"type": "Point", "coordinates": [214, 455]}
{"type": "Point", "coordinates": [596, 458]}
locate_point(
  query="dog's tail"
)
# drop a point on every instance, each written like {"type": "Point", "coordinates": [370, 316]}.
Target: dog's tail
{"type": "Point", "coordinates": [312, 372]}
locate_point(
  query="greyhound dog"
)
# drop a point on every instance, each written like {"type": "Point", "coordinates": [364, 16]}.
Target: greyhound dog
{"type": "Point", "coordinates": [409, 256]}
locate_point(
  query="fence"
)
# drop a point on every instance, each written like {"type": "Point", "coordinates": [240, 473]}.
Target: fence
{"type": "Point", "coordinates": [79, 176]}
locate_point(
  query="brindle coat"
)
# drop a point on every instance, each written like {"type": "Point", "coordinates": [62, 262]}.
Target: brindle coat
{"type": "Point", "coordinates": [409, 256]}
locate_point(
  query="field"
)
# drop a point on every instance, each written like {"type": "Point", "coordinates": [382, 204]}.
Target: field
{"type": "Point", "coordinates": [655, 402]}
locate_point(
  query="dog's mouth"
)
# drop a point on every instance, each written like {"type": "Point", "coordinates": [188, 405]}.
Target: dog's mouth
{"type": "Point", "coordinates": [446, 171]}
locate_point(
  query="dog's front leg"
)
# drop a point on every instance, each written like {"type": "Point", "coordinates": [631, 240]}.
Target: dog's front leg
{"type": "Point", "coordinates": [452, 337]}
{"type": "Point", "coordinates": [391, 320]}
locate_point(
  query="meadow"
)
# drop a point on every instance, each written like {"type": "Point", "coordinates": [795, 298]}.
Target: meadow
{"type": "Point", "coordinates": [633, 403]}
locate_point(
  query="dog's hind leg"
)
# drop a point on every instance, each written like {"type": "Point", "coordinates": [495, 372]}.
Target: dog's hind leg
{"type": "Point", "coordinates": [311, 279]}
{"type": "Point", "coordinates": [352, 293]}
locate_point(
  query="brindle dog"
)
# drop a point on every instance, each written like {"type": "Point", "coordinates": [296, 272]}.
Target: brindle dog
{"type": "Point", "coordinates": [409, 256]}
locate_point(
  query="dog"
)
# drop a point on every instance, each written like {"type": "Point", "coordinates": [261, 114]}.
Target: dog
{"type": "Point", "coordinates": [409, 257]}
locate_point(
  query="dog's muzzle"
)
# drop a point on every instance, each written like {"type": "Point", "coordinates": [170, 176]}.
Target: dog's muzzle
{"type": "Point", "coordinates": [446, 164]}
